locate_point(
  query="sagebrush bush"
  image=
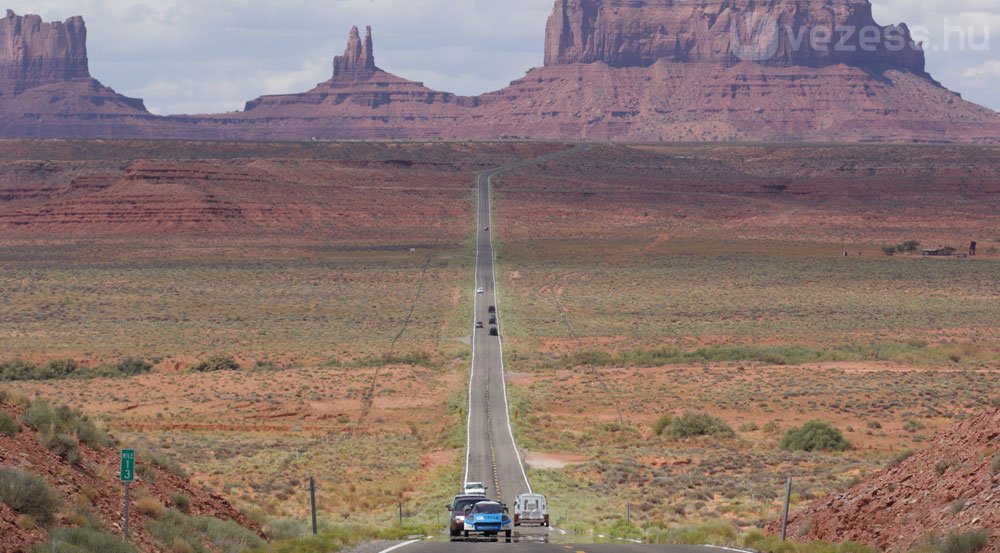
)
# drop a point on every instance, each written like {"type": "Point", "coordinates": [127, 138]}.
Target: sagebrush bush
{"type": "Point", "coordinates": [29, 494]}
{"type": "Point", "coordinates": [63, 445]}
{"type": "Point", "coordinates": [51, 421]}
{"type": "Point", "coordinates": [815, 435]}
{"type": "Point", "coordinates": [133, 366]}
{"type": "Point", "coordinates": [968, 542]}
{"type": "Point", "coordinates": [181, 501]}
{"type": "Point", "coordinates": [690, 425]}
{"type": "Point", "coordinates": [9, 426]}
{"type": "Point", "coordinates": [150, 506]}
{"type": "Point", "coordinates": [83, 540]}
{"type": "Point", "coordinates": [216, 364]}
{"type": "Point", "coordinates": [995, 466]}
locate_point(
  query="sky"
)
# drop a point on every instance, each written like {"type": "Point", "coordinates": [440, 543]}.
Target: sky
{"type": "Point", "coordinates": [211, 56]}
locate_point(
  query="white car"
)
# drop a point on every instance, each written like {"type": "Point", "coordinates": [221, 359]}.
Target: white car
{"type": "Point", "coordinates": [474, 488]}
{"type": "Point", "coordinates": [480, 291]}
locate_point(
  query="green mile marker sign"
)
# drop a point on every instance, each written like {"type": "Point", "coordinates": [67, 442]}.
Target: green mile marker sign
{"type": "Point", "coordinates": [128, 465]}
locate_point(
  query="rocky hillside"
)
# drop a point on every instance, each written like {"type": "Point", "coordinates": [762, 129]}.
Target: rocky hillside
{"type": "Point", "coordinates": [951, 487]}
{"type": "Point", "coordinates": [59, 479]}
{"type": "Point", "coordinates": [615, 70]}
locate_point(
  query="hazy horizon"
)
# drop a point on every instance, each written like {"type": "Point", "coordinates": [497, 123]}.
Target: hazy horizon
{"type": "Point", "coordinates": [186, 57]}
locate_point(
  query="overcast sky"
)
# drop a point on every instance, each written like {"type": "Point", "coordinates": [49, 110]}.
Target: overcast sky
{"type": "Point", "coordinates": [198, 56]}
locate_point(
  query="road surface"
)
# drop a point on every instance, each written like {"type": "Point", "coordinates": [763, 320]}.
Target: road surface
{"type": "Point", "coordinates": [492, 454]}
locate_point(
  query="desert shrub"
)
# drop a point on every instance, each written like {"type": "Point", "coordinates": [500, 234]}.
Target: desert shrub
{"type": "Point", "coordinates": [148, 452]}
{"type": "Point", "coordinates": [29, 494]}
{"type": "Point", "coordinates": [91, 435]}
{"type": "Point", "coordinates": [133, 366]}
{"type": "Point", "coordinates": [63, 445]}
{"type": "Point", "coordinates": [889, 250]}
{"type": "Point", "coordinates": [662, 423]}
{"type": "Point", "coordinates": [216, 364]}
{"type": "Point", "coordinates": [909, 246]}
{"type": "Point", "coordinates": [995, 466]}
{"type": "Point", "coordinates": [875, 425]}
{"type": "Point", "coordinates": [150, 506]}
{"type": "Point", "coordinates": [83, 540]}
{"type": "Point", "coordinates": [55, 370]}
{"type": "Point", "coordinates": [912, 426]}
{"type": "Point", "coordinates": [9, 426]}
{"type": "Point", "coordinates": [749, 427]}
{"type": "Point", "coordinates": [942, 466]}
{"type": "Point", "coordinates": [690, 425]}
{"type": "Point", "coordinates": [17, 370]}
{"type": "Point", "coordinates": [180, 501]}
{"type": "Point", "coordinates": [957, 506]}
{"type": "Point", "coordinates": [815, 435]}
{"type": "Point", "coordinates": [899, 459]}
{"type": "Point", "coordinates": [968, 542]}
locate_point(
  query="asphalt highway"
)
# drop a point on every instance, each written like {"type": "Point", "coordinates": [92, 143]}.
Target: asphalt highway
{"type": "Point", "coordinates": [492, 454]}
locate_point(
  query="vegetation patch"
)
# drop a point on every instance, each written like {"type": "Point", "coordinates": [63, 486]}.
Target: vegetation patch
{"type": "Point", "coordinates": [29, 494]}
{"type": "Point", "coordinates": [9, 426]}
{"type": "Point", "coordinates": [178, 531]}
{"type": "Point", "coordinates": [18, 370]}
{"type": "Point", "coordinates": [59, 428]}
{"type": "Point", "coordinates": [83, 540]}
{"type": "Point", "coordinates": [216, 364]}
{"type": "Point", "coordinates": [815, 435]}
{"type": "Point", "coordinates": [693, 425]}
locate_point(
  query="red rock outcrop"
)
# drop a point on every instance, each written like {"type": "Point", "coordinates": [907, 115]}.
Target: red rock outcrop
{"type": "Point", "coordinates": [618, 70]}
{"type": "Point", "coordinates": [630, 33]}
{"type": "Point", "coordinates": [34, 53]}
{"type": "Point", "coordinates": [949, 487]}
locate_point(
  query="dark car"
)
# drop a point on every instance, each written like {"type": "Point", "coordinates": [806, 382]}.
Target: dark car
{"type": "Point", "coordinates": [457, 514]}
{"type": "Point", "coordinates": [494, 331]}
{"type": "Point", "coordinates": [479, 324]}
{"type": "Point", "coordinates": [493, 320]}
{"type": "Point", "coordinates": [493, 309]}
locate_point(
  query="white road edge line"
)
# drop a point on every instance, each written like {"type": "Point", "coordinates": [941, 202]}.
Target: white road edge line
{"type": "Point", "coordinates": [472, 368]}
{"type": "Point", "coordinates": [399, 546]}
{"type": "Point", "coordinates": [503, 368]}
{"type": "Point", "coordinates": [728, 549]}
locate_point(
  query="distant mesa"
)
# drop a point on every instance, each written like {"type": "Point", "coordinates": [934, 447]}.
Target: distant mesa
{"type": "Point", "coordinates": [615, 70]}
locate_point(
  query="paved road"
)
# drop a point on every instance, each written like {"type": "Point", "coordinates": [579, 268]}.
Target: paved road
{"type": "Point", "coordinates": [492, 454]}
{"type": "Point", "coordinates": [431, 547]}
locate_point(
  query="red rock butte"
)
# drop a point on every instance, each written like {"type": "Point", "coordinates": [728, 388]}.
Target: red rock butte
{"type": "Point", "coordinates": [618, 70]}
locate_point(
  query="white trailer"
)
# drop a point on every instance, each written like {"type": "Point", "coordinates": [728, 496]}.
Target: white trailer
{"type": "Point", "coordinates": [530, 509]}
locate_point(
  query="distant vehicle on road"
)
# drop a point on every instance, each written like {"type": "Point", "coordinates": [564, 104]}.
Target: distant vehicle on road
{"type": "Point", "coordinates": [457, 514]}
{"type": "Point", "coordinates": [530, 509]}
{"type": "Point", "coordinates": [493, 320]}
{"type": "Point", "coordinates": [475, 488]}
{"type": "Point", "coordinates": [494, 331]}
{"type": "Point", "coordinates": [480, 291]}
{"type": "Point", "coordinates": [488, 519]}
{"type": "Point", "coordinates": [486, 229]}
{"type": "Point", "coordinates": [493, 309]}
{"type": "Point", "coordinates": [479, 324]}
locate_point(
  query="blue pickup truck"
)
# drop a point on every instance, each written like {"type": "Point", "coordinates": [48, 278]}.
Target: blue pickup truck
{"type": "Point", "coordinates": [488, 519]}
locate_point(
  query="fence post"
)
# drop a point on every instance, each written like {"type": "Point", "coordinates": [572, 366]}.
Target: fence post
{"type": "Point", "coordinates": [784, 517]}
{"type": "Point", "coordinates": [628, 514]}
{"type": "Point", "coordinates": [400, 513]}
{"type": "Point", "coordinates": [312, 500]}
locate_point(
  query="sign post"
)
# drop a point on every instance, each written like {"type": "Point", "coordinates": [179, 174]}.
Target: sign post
{"type": "Point", "coordinates": [127, 476]}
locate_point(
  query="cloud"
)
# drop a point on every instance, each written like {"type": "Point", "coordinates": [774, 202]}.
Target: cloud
{"type": "Point", "coordinates": [988, 70]}
{"type": "Point", "coordinates": [193, 56]}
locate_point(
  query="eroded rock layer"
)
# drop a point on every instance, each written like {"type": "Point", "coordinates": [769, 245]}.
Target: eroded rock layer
{"type": "Point", "coordinates": [615, 70]}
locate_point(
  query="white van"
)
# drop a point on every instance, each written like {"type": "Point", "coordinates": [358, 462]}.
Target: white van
{"type": "Point", "coordinates": [530, 509]}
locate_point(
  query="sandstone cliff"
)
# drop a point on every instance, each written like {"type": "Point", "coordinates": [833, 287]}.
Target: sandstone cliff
{"type": "Point", "coordinates": [34, 53]}
{"type": "Point", "coordinates": [615, 70]}
{"type": "Point", "coordinates": [630, 33]}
